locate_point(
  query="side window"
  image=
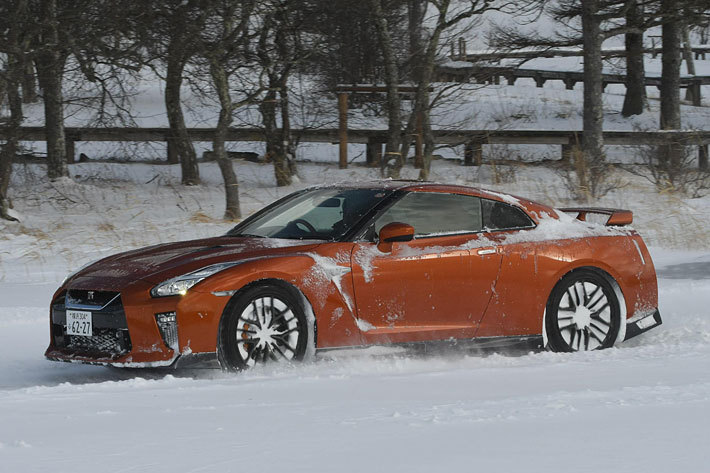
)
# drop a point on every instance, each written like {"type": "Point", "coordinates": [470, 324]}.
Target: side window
{"type": "Point", "coordinates": [502, 216]}
{"type": "Point", "coordinates": [433, 213]}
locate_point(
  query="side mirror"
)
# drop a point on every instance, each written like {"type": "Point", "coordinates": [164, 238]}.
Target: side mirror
{"type": "Point", "coordinates": [393, 232]}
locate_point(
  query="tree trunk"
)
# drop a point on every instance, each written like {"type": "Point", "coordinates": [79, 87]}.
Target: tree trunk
{"type": "Point", "coordinates": [9, 149]}
{"type": "Point", "coordinates": [288, 145]}
{"type": "Point", "coordinates": [415, 10]}
{"type": "Point", "coordinates": [50, 78]}
{"type": "Point", "coordinates": [593, 117]}
{"type": "Point", "coordinates": [670, 154]}
{"type": "Point", "coordinates": [670, 75]}
{"type": "Point", "coordinates": [179, 138]}
{"type": "Point", "coordinates": [635, 99]}
{"type": "Point", "coordinates": [422, 103]}
{"type": "Point", "coordinates": [274, 138]}
{"type": "Point", "coordinates": [688, 58]}
{"type": "Point", "coordinates": [392, 161]}
{"type": "Point", "coordinates": [29, 83]}
{"type": "Point", "coordinates": [51, 70]}
{"type": "Point", "coordinates": [231, 186]}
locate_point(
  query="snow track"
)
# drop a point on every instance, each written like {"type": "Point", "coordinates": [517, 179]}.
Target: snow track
{"type": "Point", "coordinates": [641, 407]}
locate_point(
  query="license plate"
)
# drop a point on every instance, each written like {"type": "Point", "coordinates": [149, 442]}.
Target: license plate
{"type": "Point", "coordinates": [79, 323]}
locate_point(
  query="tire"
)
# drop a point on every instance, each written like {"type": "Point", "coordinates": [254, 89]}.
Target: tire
{"type": "Point", "coordinates": [583, 313]}
{"type": "Point", "coordinates": [264, 323]}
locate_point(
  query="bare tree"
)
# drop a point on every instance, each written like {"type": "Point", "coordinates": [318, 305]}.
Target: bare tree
{"type": "Point", "coordinates": [171, 34]}
{"type": "Point", "coordinates": [393, 159]}
{"type": "Point", "coordinates": [51, 57]}
{"type": "Point", "coordinates": [224, 44]}
{"type": "Point", "coordinates": [447, 14]}
{"type": "Point", "coordinates": [279, 51]}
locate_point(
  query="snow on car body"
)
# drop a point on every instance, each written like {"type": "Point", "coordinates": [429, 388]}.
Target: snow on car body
{"type": "Point", "coordinates": [362, 264]}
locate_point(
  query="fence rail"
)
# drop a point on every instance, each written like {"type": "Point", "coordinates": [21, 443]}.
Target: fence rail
{"type": "Point", "coordinates": [375, 139]}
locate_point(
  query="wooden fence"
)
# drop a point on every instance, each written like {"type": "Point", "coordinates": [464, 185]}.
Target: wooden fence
{"type": "Point", "coordinates": [375, 139]}
{"type": "Point", "coordinates": [493, 74]}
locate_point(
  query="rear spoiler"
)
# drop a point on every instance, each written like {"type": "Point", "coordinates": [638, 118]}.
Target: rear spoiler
{"type": "Point", "coordinates": [617, 217]}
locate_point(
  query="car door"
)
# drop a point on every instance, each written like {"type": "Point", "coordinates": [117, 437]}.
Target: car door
{"type": "Point", "coordinates": [516, 306]}
{"type": "Point", "coordinates": [436, 286]}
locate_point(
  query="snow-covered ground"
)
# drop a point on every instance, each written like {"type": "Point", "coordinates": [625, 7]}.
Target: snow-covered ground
{"type": "Point", "coordinates": [644, 406]}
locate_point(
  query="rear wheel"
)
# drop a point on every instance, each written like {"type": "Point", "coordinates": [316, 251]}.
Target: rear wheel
{"type": "Point", "coordinates": [265, 324]}
{"type": "Point", "coordinates": [583, 313]}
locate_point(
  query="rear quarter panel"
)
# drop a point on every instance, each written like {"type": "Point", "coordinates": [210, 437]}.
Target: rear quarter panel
{"type": "Point", "coordinates": [530, 271]}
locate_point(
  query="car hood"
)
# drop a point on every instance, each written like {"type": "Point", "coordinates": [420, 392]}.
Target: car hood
{"type": "Point", "coordinates": [158, 263]}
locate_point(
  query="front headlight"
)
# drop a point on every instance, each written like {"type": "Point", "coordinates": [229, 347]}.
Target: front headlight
{"type": "Point", "coordinates": [180, 285]}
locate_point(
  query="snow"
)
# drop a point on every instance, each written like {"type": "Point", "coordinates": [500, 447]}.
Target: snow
{"type": "Point", "coordinates": [642, 406]}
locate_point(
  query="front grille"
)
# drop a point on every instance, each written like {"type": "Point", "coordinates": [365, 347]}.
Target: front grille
{"type": "Point", "coordinates": [109, 338]}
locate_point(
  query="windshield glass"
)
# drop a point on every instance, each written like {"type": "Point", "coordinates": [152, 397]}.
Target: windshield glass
{"type": "Point", "coordinates": [323, 214]}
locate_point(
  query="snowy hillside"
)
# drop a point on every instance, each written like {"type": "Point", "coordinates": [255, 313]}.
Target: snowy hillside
{"type": "Point", "coordinates": [641, 407]}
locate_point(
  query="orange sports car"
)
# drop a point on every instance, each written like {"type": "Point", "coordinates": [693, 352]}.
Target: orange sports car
{"type": "Point", "coordinates": [353, 265]}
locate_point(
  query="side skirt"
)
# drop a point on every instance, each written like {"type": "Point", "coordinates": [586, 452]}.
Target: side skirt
{"type": "Point", "coordinates": [516, 344]}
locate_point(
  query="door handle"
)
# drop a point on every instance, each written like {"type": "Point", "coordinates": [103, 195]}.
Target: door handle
{"type": "Point", "coordinates": [487, 251]}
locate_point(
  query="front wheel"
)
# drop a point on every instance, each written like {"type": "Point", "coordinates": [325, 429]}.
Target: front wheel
{"type": "Point", "coordinates": [266, 323]}
{"type": "Point", "coordinates": [583, 313]}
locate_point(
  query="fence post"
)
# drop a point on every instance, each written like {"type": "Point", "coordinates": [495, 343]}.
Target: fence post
{"type": "Point", "coordinates": [69, 148]}
{"type": "Point", "coordinates": [343, 128]}
{"type": "Point", "coordinates": [703, 157]}
{"type": "Point", "coordinates": [473, 153]}
{"type": "Point", "coordinates": [694, 92]}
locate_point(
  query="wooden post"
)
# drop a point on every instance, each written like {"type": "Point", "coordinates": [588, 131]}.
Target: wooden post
{"type": "Point", "coordinates": [539, 81]}
{"type": "Point", "coordinates": [703, 157]}
{"type": "Point", "coordinates": [569, 84]}
{"type": "Point", "coordinates": [419, 141]}
{"type": "Point", "coordinates": [473, 153]}
{"type": "Point", "coordinates": [343, 128]}
{"type": "Point", "coordinates": [70, 147]}
{"type": "Point", "coordinates": [373, 153]}
{"type": "Point", "coordinates": [511, 79]}
{"type": "Point", "coordinates": [694, 92]}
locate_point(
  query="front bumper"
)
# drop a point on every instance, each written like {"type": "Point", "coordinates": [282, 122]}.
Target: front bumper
{"type": "Point", "coordinates": [122, 334]}
{"type": "Point", "coordinates": [128, 330]}
{"type": "Point", "coordinates": [642, 323]}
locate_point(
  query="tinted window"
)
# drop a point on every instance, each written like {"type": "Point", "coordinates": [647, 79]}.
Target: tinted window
{"type": "Point", "coordinates": [434, 213]}
{"type": "Point", "coordinates": [318, 213]}
{"type": "Point", "coordinates": [502, 216]}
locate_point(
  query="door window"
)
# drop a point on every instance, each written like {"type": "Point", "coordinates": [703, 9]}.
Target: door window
{"type": "Point", "coordinates": [435, 213]}
{"type": "Point", "coordinates": [502, 216]}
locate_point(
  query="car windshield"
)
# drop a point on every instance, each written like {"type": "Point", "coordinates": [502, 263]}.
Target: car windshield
{"type": "Point", "coordinates": [323, 214]}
